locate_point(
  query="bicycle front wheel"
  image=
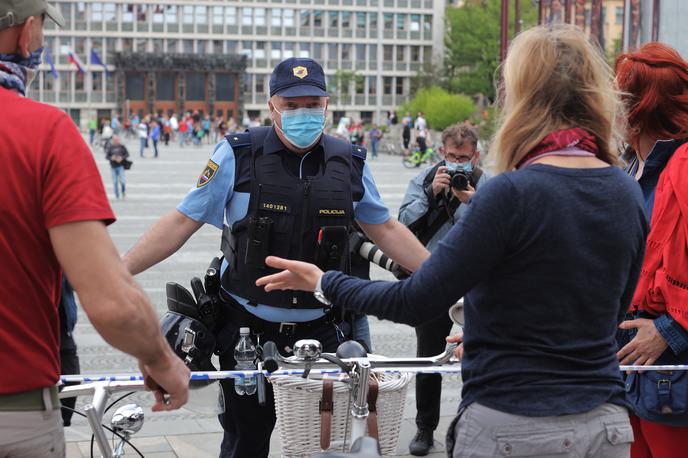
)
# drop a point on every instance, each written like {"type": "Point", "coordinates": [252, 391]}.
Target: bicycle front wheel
{"type": "Point", "coordinates": [409, 162]}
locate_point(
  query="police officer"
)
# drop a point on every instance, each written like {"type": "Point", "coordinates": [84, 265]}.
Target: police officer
{"type": "Point", "coordinates": [288, 190]}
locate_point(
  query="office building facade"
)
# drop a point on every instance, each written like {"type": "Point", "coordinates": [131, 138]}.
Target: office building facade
{"type": "Point", "coordinates": [373, 47]}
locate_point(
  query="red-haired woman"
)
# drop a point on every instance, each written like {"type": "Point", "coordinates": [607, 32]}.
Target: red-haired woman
{"type": "Point", "coordinates": [655, 80]}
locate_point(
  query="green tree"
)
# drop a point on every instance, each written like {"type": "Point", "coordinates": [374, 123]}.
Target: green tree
{"type": "Point", "coordinates": [340, 86]}
{"type": "Point", "coordinates": [472, 44]}
{"type": "Point", "coordinates": [440, 108]}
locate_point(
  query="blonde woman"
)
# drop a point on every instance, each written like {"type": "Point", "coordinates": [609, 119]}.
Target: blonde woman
{"type": "Point", "coordinates": [547, 257]}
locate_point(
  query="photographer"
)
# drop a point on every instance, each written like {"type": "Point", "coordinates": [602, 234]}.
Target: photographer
{"type": "Point", "coordinates": [430, 208]}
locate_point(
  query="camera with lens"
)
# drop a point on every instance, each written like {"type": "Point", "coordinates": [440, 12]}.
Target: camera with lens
{"type": "Point", "coordinates": [459, 179]}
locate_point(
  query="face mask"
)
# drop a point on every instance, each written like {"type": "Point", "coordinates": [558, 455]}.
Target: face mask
{"type": "Point", "coordinates": [452, 166]}
{"type": "Point", "coordinates": [466, 166]}
{"type": "Point", "coordinates": [302, 127]}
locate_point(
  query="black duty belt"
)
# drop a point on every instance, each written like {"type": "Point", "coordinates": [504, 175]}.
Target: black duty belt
{"type": "Point", "coordinates": [236, 313]}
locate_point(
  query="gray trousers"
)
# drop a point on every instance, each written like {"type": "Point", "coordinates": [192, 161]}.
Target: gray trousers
{"type": "Point", "coordinates": [604, 432]}
{"type": "Point", "coordinates": [35, 434]}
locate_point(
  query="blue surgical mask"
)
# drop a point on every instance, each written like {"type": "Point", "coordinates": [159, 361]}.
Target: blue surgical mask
{"type": "Point", "coordinates": [466, 166]}
{"type": "Point", "coordinates": [302, 127]}
{"type": "Point", "coordinates": [452, 166]}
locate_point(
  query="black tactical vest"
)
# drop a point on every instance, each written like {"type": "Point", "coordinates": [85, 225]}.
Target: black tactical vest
{"type": "Point", "coordinates": [287, 217]}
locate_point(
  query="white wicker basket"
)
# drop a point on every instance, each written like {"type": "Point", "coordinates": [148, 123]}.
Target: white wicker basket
{"type": "Point", "coordinates": [298, 419]}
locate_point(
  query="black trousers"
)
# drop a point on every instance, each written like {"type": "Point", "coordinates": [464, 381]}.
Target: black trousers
{"type": "Point", "coordinates": [69, 364]}
{"type": "Point", "coordinates": [422, 145]}
{"type": "Point", "coordinates": [431, 341]}
{"type": "Point", "coordinates": [248, 426]}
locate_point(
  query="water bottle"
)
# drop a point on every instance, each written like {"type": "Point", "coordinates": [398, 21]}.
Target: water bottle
{"type": "Point", "coordinates": [245, 355]}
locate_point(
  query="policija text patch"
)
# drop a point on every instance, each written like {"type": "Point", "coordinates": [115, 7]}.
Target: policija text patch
{"type": "Point", "coordinates": [208, 174]}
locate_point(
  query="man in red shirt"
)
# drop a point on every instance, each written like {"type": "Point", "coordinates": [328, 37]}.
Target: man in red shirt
{"type": "Point", "coordinates": [53, 213]}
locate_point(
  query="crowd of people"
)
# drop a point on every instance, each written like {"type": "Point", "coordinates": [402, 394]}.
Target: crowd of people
{"type": "Point", "coordinates": [571, 258]}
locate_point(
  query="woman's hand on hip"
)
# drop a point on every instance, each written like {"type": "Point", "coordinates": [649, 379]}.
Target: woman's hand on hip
{"type": "Point", "coordinates": [647, 345]}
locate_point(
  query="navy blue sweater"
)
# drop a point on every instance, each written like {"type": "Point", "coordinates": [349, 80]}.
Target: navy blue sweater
{"type": "Point", "coordinates": [547, 259]}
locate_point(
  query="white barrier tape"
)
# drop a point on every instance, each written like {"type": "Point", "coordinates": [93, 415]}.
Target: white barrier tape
{"type": "Point", "coordinates": [222, 375]}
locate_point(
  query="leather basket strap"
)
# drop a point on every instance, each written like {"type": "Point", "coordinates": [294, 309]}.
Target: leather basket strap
{"type": "Point", "coordinates": [372, 407]}
{"type": "Point", "coordinates": [326, 406]}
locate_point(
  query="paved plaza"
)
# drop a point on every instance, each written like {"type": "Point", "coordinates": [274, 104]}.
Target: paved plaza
{"type": "Point", "coordinates": [154, 187]}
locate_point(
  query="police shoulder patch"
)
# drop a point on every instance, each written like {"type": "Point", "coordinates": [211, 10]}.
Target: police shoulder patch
{"type": "Point", "coordinates": [208, 174]}
{"type": "Point", "coordinates": [359, 151]}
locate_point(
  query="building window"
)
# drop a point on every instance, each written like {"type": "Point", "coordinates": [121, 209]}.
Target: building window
{"type": "Point", "coordinates": [187, 14]}
{"type": "Point", "coordinates": [188, 46]}
{"type": "Point", "coordinates": [171, 14]}
{"type": "Point", "coordinates": [387, 85]}
{"type": "Point", "coordinates": [224, 87]}
{"type": "Point", "coordinates": [140, 45]}
{"type": "Point", "coordinates": [134, 86]}
{"type": "Point", "coordinates": [172, 45]}
{"type": "Point", "coordinates": [389, 21]}
{"type": "Point", "coordinates": [387, 53]}
{"type": "Point", "coordinates": [619, 15]}
{"type": "Point", "coordinates": [157, 45]}
{"type": "Point", "coordinates": [372, 52]}
{"type": "Point", "coordinates": [260, 50]}
{"type": "Point", "coordinates": [276, 17]}
{"type": "Point", "coordinates": [400, 85]}
{"type": "Point", "coordinates": [360, 85]}
{"type": "Point", "coordinates": [260, 84]}
{"type": "Point", "coordinates": [217, 47]}
{"type": "Point", "coordinates": [165, 84]}
{"type": "Point", "coordinates": [110, 12]}
{"type": "Point", "coordinates": [218, 15]}
{"type": "Point", "coordinates": [372, 20]}
{"type": "Point", "coordinates": [260, 16]}
{"type": "Point", "coordinates": [334, 19]}
{"type": "Point", "coordinates": [80, 12]}
{"type": "Point", "coordinates": [415, 23]}
{"type": "Point", "coordinates": [304, 51]}
{"type": "Point", "coordinates": [96, 12]}
{"type": "Point", "coordinates": [202, 47]}
{"type": "Point", "coordinates": [401, 22]}
{"type": "Point", "coordinates": [427, 54]}
{"type": "Point", "coordinates": [332, 51]}
{"type": "Point", "coordinates": [247, 48]}
{"type": "Point", "coordinates": [246, 16]}
{"type": "Point", "coordinates": [305, 18]}
{"type": "Point", "coordinates": [372, 85]}
{"type": "Point", "coordinates": [195, 86]}
{"type": "Point", "coordinates": [288, 18]}
{"type": "Point", "coordinates": [317, 51]}
{"type": "Point", "coordinates": [288, 50]}
{"type": "Point", "coordinates": [127, 12]}
{"type": "Point", "coordinates": [231, 15]}
{"type": "Point", "coordinates": [415, 53]}
{"type": "Point", "coordinates": [360, 53]}
{"type": "Point", "coordinates": [97, 81]}
{"type": "Point", "coordinates": [401, 53]}
{"type": "Point", "coordinates": [427, 22]}
{"type": "Point", "coordinates": [276, 51]}
{"type": "Point", "coordinates": [142, 15]}
{"type": "Point", "coordinates": [201, 15]}
{"type": "Point", "coordinates": [230, 46]}
{"type": "Point", "coordinates": [317, 18]}
{"type": "Point", "coordinates": [346, 19]}
{"type": "Point", "coordinates": [361, 20]}
{"type": "Point", "coordinates": [346, 51]}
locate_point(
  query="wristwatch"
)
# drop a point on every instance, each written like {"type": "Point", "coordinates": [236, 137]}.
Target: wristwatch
{"type": "Point", "coordinates": [318, 293]}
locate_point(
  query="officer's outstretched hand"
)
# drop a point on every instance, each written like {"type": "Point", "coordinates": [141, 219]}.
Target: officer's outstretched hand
{"type": "Point", "coordinates": [295, 275]}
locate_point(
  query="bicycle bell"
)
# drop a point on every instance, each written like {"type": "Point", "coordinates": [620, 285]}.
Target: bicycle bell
{"type": "Point", "coordinates": [127, 420]}
{"type": "Point", "coordinates": [307, 349]}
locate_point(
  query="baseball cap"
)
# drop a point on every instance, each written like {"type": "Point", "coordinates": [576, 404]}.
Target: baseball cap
{"type": "Point", "coordinates": [298, 77]}
{"type": "Point", "coordinates": [16, 12]}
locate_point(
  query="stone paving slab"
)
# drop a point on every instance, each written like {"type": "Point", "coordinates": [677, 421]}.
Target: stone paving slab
{"type": "Point", "coordinates": [155, 187]}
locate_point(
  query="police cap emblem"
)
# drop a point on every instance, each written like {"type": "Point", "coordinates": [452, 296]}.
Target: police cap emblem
{"type": "Point", "coordinates": [300, 72]}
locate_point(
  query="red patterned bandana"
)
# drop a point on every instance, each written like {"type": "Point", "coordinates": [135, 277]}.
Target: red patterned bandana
{"type": "Point", "coordinates": [576, 137]}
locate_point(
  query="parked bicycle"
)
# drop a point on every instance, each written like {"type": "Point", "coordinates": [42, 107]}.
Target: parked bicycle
{"type": "Point", "coordinates": [416, 158]}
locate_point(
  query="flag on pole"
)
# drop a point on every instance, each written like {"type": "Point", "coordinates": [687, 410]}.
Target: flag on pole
{"type": "Point", "coordinates": [73, 58]}
{"type": "Point", "coordinates": [49, 60]}
{"type": "Point", "coordinates": [95, 60]}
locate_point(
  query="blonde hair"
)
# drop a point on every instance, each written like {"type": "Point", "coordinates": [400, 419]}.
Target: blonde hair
{"type": "Point", "coordinates": [554, 78]}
